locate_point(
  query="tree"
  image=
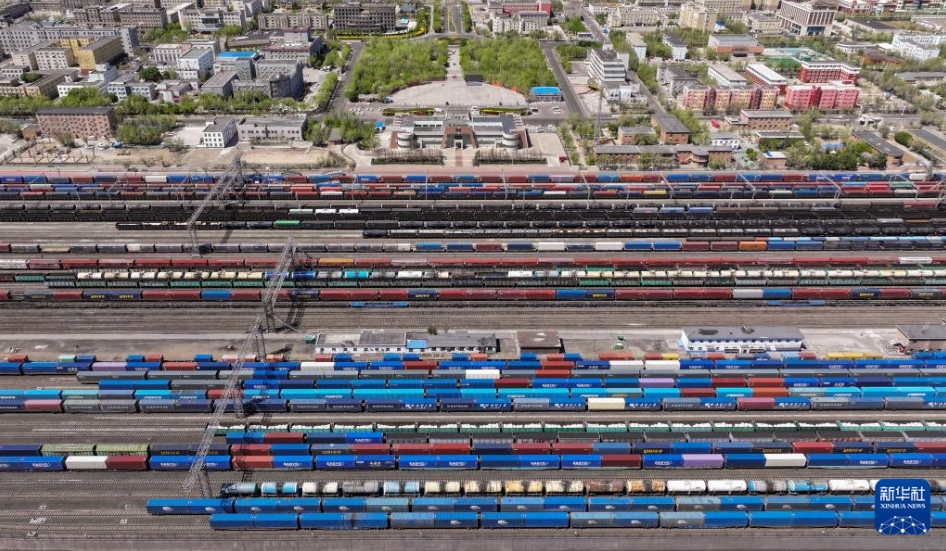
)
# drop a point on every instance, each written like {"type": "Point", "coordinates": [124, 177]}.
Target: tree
{"type": "Point", "coordinates": [150, 74]}
{"type": "Point", "coordinates": [86, 96]}
{"type": "Point", "coordinates": [386, 66]}
{"type": "Point", "coordinates": [30, 77]}
{"type": "Point", "coordinates": [903, 138]}
{"type": "Point", "coordinates": [717, 164]}
{"type": "Point", "coordinates": [66, 139]}
{"type": "Point", "coordinates": [516, 63]}
{"type": "Point", "coordinates": [574, 25]}
{"type": "Point", "coordinates": [174, 145]}
{"type": "Point", "coordinates": [229, 31]}
{"type": "Point", "coordinates": [752, 155]}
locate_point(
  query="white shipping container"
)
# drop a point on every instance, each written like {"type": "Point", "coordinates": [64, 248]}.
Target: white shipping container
{"type": "Point", "coordinates": [316, 365]}
{"type": "Point", "coordinates": [156, 179]}
{"type": "Point", "coordinates": [550, 246]}
{"type": "Point", "coordinates": [605, 404]}
{"type": "Point", "coordinates": [847, 485]}
{"type": "Point", "coordinates": [726, 486]}
{"type": "Point", "coordinates": [482, 374]}
{"type": "Point", "coordinates": [609, 246]}
{"type": "Point", "coordinates": [785, 460]}
{"type": "Point", "coordinates": [13, 264]}
{"type": "Point", "coordinates": [636, 364]}
{"type": "Point", "coordinates": [747, 293]}
{"type": "Point", "coordinates": [86, 463]}
{"type": "Point", "coordinates": [686, 486]}
{"type": "Point", "coordinates": [662, 365]}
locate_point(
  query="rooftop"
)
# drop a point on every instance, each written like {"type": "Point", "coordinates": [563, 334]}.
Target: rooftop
{"type": "Point", "coordinates": [774, 155]}
{"type": "Point", "coordinates": [923, 332]}
{"type": "Point", "coordinates": [74, 110]}
{"type": "Point", "coordinates": [779, 135]}
{"type": "Point", "coordinates": [679, 73]}
{"type": "Point", "coordinates": [674, 40]}
{"type": "Point", "coordinates": [925, 75]}
{"type": "Point", "coordinates": [225, 55]}
{"type": "Point", "coordinates": [873, 25]}
{"type": "Point", "coordinates": [765, 72]}
{"type": "Point", "coordinates": [262, 121]}
{"type": "Point", "coordinates": [671, 124]}
{"type": "Point", "coordinates": [220, 79]}
{"type": "Point", "coordinates": [724, 136]}
{"type": "Point", "coordinates": [547, 91]}
{"type": "Point", "coordinates": [636, 131]}
{"type": "Point", "coordinates": [729, 333]}
{"type": "Point", "coordinates": [219, 124]}
{"type": "Point", "coordinates": [766, 114]}
{"type": "Point", "coordinates": [726, 39]}
{"type": "Point", "coordinates": [878, 143]}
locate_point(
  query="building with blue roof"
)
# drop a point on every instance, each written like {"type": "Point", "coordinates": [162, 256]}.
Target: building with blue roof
{"type": "Point", "coordinates": [547, 93]}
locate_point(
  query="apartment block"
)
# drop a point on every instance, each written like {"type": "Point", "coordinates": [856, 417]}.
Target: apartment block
{"type": "Point", "coordinates": [724, 76]}
{"type": "Point", "coordinates": [220, 84]}
{"type": "Point", "coordinates": [103, 50]}
{"type": "Point", "coordinates": [671, 129]}
{"type": "Point", "coordinates": [81, 122]}
{"type": "Point", "coordinates": [762, 23]}
{"type": "Point", "coordinates": [765, 119]}
{"type": "Point", "coordinates": [54, 57]}
{"type": "Point", "coordinates": [678, 48]}
{"type": "Point", "coordinates": [606, 66]}
{"type": "Point", "coordinates": [292, 52]}
{"type": "Point", "coordinates": [698, 17]}
{"type": "Point", "coordinates": [365, 18]}
{"type": "Point", "coordinates": [166, 55]}
{"type": "Point", "coordinates": [195, 64]}
{"type": "Point", "coordinates": [635, 16]}
{"type": "Point", "coordinates": [831, 96]}
{"type": "Point", "coordinates": [211, 20]}
{"type": "Point", "coordinates": [827, 71]}
{"type": "Point", "coordinates": [807, 18]}
{"type": "Point", "coordinates": [281, 20]}
{"type": "Point", "coordinates": [918, 47]}
{"type": "Point", "coordinates": [20, 37]}
{"type": "Point", "coordinates": [143, 18]}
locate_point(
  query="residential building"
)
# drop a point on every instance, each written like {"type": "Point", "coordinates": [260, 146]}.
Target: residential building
{"type": "Point", "coordinates": [637, 43]}
{"type": "Point", "coordinates": [629, 135]}
{"type": "Point", "coordinates": [831, 96]}
{"type": "Point", "coordinates": [725, 139]}
{"type": "Point", "coordinates": [270, 69]}
{"type": "Point", "coordinates": [698, 17]}
{"type": "Point", "coordinates": [807, 18]}
{"type": "Point", "coordinates": [855, 7]}
{"type": "Point", "coordinates": [119, 86]}
{"type": "Point", "coordinates": [220, 133]}
{"type": "Point", "coordinates": [827, 71]}
{"type": "Point", "coordinates": [20, 37]}
{"type": "Point", "coordinates": [628, 15]}
{"type": "Point", "coordinates": [282, 20]}
{"type": "Point", "coordinates": [678, 47]}
{"type": "Point", "coordinates": [622, 92]}
{"type": "Point", "coordinates": [918, 47]}
{"type": "Point", "coordinates": [54, 57]}
{"type": "Point", "coordinates": [221, 84]}
{"type": "Point", "coordinates": [761, 74]}
{"type": "Point", "coordinates": [728, 8]}
{"type": "Point", "coordinates": [366, 18]}
{"type": "Point", "coordinates": [291, 52]}
{"type": "Point", "coordinates": [143, 18]}
{"type": "Point", "coordinates": [765, 119]}
{"type": "Point", "coordinates": [893, 153]}
{"type": "Point", "coordinates": [170, 91]}
{"type": "Point", "coordinates": [670, 129]}
{"type": "Point", "coordinates": [512, 8]}
{"type": "Point", "coordinates": [143, 89]}
{"type": "Point", "coordinates": [269, 131]}
{"type": "Point", "coordinates": [241, 63]}
{"type": "Point", "coordinates": [13, 71]}
{"type": "Point", "coordinates": [762, 23]}
{"type": "Point", "coordinates": [734, 44]}
{"type": "Point", "coordinates": [211, 20]}
{"type": "Point", "coordinates": [195, 65]}
{"type": "Point", "coordinates": [80, 122]}
{"type": "Point", "coordinates": [166, 55]}
{"type": "Point", "coordinates": [103, 50]}
{"type": "Point", "coordinates": [11, 11]}
{"type": "Point", "coordinates": [98, 16]}
{"type": "Point", "coordinates": [674, 78]}
{"type": "Point", "coordinates": [724, 76]}
{"type": "Point", "coordinates": [728, 99]}
{"type": "Point", "coordinates": [532, 21]}
{"type": "Point", "coordinates": [607, 65]}
{"type": "Point", "coordinates": [659, 156]}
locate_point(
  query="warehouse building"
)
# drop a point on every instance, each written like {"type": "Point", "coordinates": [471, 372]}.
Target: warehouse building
{"type": "Point", "coordinates": [915, 338]}
{"type": "Point", "coordinates": [380, 342]}
{"type": "Point", "coordinates": [745, 339]}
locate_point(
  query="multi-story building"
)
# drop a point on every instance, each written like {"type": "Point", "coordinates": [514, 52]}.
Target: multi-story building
{"type": "Point", "coordinates": [726, 99]}
{"type": "Point", "coordinates": [211, 20]}
{"type": "Point", "coordinates": [765, 119]}
{"type": "Point", "coordinates": [98, 16]}
{"type": "Point", "coordinates": [727, 8]}
{"type": "Point", "coordinates": [103, 50]}
{"type": "Point", "coordinates": [17, 71]}
{"type": "Point", "coordinates": [725, 139]}
{"type": "Point", "coordinates": [275, 69]}
{"type": "Point", "coordinates": [54, 57]}
{"type": "Point", "coordinates": [827, 71]}
{"type": "Point", "coordinates": [143, 18]}
{"type": "Point", "coordinates": [292, 52]}
{"type": "Point", "coordinates": [634, 16]}
{"type": "Point", "coordinates": [724, 76]}
{"type": "Point", "coordinates": [734, 44]}
{"type": "Point", "coordinates": [919, 47]}
{"type": "Point", "coordinates": [678, 48]}
{"type": "Point", "coordinates": [46, 86]}
{"type": "Point", "coordinates": [674, 78]}
{"type": "Point", "coordinates": [605, 66]}
{"type": "Point", "coordinates": [366, 18]}
{"type": "Point", "coordinates": [698, 16]}
{"type": "Point", "coordinates": [855, 7]}
{"type": "Point", "coordinates": [831, 96]}
{"type": "Point", "coordinates": [762, 23]}
{"type": "Point", "coordinates": [806, 18]}
{"type": "Point", "coordinates": [512, 8]}
{"type": "Point", "coordinates": [80, 122]}
{"type": "Point", "coordinates": [143, 89]}
{"type": "Point", "coordinates": [12, 11]}
{"type": "Point", "coordinates": [241, 63]}
{"type": "Point", "coordinates": [21, 37]}
{"type": "Point", "coordinates": [220, 133]}
{"type": "Point", "coordinates": [269, 131]}
{"type": "Point", "coordinates": [166, 55]}
{"type": "Point", "coordinates": [220, 84]}
{"type": "Point", "coordinates": [532, 21]}
{"type": "Point", "coordinates": [761, 74]}
{"type": "Point", "coordinates": [695, 98]}
{"type": "Point", "coordinates": [638, 44]}
{"type": "Point", "coordinates": [196, 64]}
{"type": "Point", "coordinates": [281, 20]}
{"type": "Point", "coordinates": [119, 86]}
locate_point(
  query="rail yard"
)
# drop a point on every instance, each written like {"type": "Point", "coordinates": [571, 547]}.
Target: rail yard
{"type": "Point", "coordinates": [521, 360]}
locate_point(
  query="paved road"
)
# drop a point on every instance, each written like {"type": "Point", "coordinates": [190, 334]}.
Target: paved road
{"type": "Point", "coordinates": [594, 27]}
{"type": "Point", "coordinates": [572, 103]}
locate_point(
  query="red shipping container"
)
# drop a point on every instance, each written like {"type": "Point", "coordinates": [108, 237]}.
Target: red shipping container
{"type": "Point", "coordinates": [371, 449]}
{"type": "Point", "coordinates": [530, 448]}
{"type": "Point", "coordinates": [244, 295]}
{"type": "Point", "coordinates": [837, 294]}
{"type": "Point", "coordinates": [250, 449]}
{"type": "Point", "coordinates": [730, 382]}
{"type": "Point", "coordinates": [250, 462]}
{"type": "Point", "coordinates": [413, 364]}
{"type": "Point", "coordinates": [283, 437]}
{"type": "Point", "coordinates": [755, 404]}
{"type": "Point", "coordinates": [179, 366]}
{"type": "Point", "coordinates": [392, 294]}
{"type": "Point", "coordinates": [411, 449]}
{"type": "Point", "coordinates": [49, 406]}
{"type": "Point", "coordinates": [766, 382]}
{"type": "Point", "coordinates": [126, 462]}
{"type": "Point", "coordinates": [696, 246]}
{"type": "Point", "coordinates": [556, 364]}
{"type": "Point", "coordinates": [697, 393]}
{"type": "Point", "coordinates": [553, 373]}
{"type": "Point", "coordinates": [116, 262]}
{"type": "Point", "coordinates": [769, 392]}
{"type": "Point", "coordinates": [812, 447]}
{"type": "Point", "coordinates": [555, 357]}
{"type": "Point", "coordinates": [653, 356]}
{"type": "Point", "coordinates": [896, 293]}
{"type": "Point", "coordinates": [451, 448]}
{"type": "Point", "coordinates": [322, 358]}
{"type": "Point", "coordinates": [609, 356]}
{"type": "Point", "coordinates": [67, 295]}
{"type": "Point", "coordinates": [628, 461]}
{"type": "Point", "coordinates": [716, 356]}
{"type": "Point", "coordinates": [217, 393]}
{"type": "Point", "coordinates": [154, 357]}
{"type": "Point", "coordinates": [931, 447]}
{"type": "Point", "coordinates": [42, 264]}
{"type": "Point", "coordinates": [571, 448]}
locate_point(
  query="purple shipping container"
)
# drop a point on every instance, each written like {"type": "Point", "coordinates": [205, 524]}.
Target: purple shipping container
{"type": "Point", "coordinates": [703, 461]}
{"type": "Point", "coordinates": [647, 382]}
{"type": "Point", "coordinates": [43, 405]}
{"type": "Point", "coordinates": [109, 366]}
